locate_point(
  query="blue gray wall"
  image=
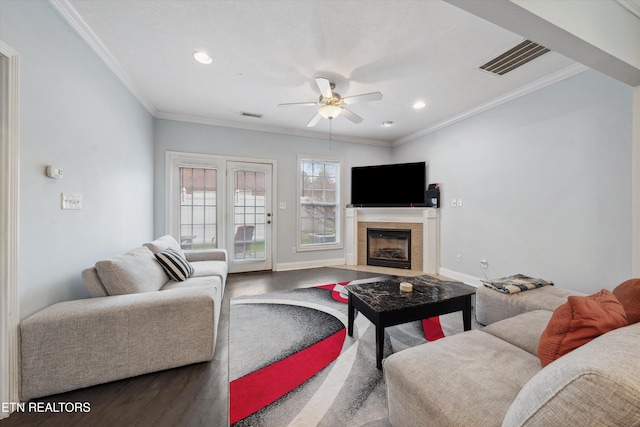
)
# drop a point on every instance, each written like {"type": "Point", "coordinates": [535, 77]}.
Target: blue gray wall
{"type": "Point", "coordinates": [545, 182]}
{"type": "Point", "coordinates": [75, 115]}
{"type": "Point", "coordinates": [284, 149]}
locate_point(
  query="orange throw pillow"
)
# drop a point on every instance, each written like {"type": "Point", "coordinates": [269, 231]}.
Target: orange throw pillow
{"type": "Point", "coordinates": [577, 322]}
{"type": "Point", "coordinates": [628, 293]}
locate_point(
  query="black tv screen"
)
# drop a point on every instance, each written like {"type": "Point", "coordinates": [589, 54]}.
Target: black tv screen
{"type": "Point", "coordinates": [389, 185]}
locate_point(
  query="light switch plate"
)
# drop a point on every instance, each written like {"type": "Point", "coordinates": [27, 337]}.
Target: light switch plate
{"type": "Point", "coordinates": [71, 201]}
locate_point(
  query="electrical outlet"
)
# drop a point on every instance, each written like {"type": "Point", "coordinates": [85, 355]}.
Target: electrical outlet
{"type": "Point", "coordinates": [459, 258]}
{"type": "Point", "coordinates": [454, 203]}
{"type": "Point", "coordinates": [484, 263]}
{"type": "Point", "coordinates": [459, 203]}
{"type": "Point", "coordinates": [293, 249]}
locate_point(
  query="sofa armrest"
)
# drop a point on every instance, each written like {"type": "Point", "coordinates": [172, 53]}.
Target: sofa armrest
{"type": "Point", "coordinates": [76, 344]}
{"type": "Point", "coordinates": [594, 385]}
{"type": "Point", "coordinates": [194, 255]}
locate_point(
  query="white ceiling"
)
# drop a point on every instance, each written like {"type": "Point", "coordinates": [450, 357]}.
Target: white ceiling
{"type": "Point", "coordinates": [268, 52]}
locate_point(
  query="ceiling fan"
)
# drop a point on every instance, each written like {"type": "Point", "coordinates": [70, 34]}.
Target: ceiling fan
{"type": "Point", "coordinates": [332, 104]}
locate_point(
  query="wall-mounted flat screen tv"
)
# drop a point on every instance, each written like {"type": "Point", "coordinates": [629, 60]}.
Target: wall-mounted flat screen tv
{"type": "Point", "coordinates": [394, 185]}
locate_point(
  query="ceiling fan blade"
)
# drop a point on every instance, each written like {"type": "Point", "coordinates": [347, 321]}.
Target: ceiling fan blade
{"type": "Point", "coordinates": [299, 104]}
{"type": "Point", "coordinates": [314, 121]}
{"type": "Point", "coordinates": [347, 114]}
{"type": "Point", "coordinates": [325, 87]}
{"type": "Point", "coordinates": [365, 97]}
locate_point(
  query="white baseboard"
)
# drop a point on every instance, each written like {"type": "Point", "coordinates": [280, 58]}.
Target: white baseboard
{"type": "Point", "coordinates": [464, 278]}
{"type": "Point", "coordinates": [286, 266]}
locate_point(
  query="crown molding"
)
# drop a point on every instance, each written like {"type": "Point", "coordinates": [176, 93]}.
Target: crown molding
{"type": "Point", "coordinates": [67, 11]}
{"type": "Point", "coordinates": [632, 6]}
{"type": "Point", "coordinates": [268, 129]}
{"type": "Point", "coordinates": [545, 81]}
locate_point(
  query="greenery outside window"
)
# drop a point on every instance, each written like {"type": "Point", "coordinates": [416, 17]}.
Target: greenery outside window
{"type": "Point", "coordinates": [319, 204]}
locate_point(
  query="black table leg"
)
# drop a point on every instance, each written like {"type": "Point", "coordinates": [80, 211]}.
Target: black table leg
{"type": "Point", "coordinates": [466, 313]}
{"type": "Point", "coordinates": [350, 316]}
{"type": "Point", "coordinates": [379, 345]}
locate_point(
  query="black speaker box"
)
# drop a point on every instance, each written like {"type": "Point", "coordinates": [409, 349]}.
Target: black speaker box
{"type": "Point", "coordinates": [432, 196]}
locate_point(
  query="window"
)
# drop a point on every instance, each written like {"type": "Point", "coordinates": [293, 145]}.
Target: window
{"type": "Point", "coordinates": [319, 204]}
{"type": "Point", "coordinates": [198, 208]}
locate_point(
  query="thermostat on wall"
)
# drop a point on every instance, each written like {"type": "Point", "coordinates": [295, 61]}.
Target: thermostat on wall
{"type": "Point", "coordinates": [54, 172]}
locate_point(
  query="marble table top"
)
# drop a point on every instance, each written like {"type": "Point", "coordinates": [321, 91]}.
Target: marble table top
{"type": "Point", "coordinates": [386, 295]}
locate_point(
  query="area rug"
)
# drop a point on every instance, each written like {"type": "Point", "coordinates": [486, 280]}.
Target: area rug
{"type": "Point", "coordinates": [291, 362]}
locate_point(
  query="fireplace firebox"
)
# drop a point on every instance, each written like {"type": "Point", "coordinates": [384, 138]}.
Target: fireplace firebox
{"type": "Point", "coordinates": [389, 248]}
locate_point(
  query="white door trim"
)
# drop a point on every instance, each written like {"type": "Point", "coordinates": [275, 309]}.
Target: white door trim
{"type": "Point", "coordinates": [269, 167]}
{"type": "Point", "coordinates": [9, 225]}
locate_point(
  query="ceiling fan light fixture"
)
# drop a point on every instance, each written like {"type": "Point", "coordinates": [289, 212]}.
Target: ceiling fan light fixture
{"type": "Point", "coordinates": [202, 57]}
{"type": "Point", "coordinates": [330, 111]}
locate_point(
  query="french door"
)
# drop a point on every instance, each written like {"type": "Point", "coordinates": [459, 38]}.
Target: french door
{"type": "Point", "coordinates": [218, 202]}
{"type": "Point", "coordinates": [249, 216]}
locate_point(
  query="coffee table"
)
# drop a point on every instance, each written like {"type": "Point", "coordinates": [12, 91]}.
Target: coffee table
{"type": "Point", "coordinates": [384, 304]}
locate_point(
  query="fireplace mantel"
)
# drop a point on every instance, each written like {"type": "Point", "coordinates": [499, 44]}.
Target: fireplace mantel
{"type": "Point", "coordinates": [428, 217]}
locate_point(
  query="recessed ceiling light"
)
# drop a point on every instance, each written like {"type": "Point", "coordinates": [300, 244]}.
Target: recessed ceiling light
{"type": "Point", "coordinates": [419, 104]}
{"type": "Point", "coordinates": [387, 124]}
{"type": "Point", "coordinates": [202, 57]}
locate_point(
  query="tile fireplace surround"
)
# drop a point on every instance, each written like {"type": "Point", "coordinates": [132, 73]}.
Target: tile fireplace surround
{"type": "Point", "coordinates": [424, 224]}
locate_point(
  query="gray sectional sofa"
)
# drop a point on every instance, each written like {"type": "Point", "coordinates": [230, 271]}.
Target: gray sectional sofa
{"type": "Point", "coordinates": [137, 321]}
{"type": "Point", "coordinates": [493, 376]}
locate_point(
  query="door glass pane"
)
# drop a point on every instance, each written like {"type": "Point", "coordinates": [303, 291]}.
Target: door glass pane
{"type": "Point", "coordinates": [249, 215]}
{"type": "Point", "coordinates": [198, 205]}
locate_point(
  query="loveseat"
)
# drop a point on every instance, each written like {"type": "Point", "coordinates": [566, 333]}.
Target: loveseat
{"type": "Point", "coordinates": [137, 320]}
{"type": "Point", "coordinates": [494, 376]}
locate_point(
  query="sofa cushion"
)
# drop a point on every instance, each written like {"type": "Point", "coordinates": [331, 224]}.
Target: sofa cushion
{"type": "Point", "coordinates": [93, 283]}
{"type": "Point", "coordinates": [132, 272]}
{"type": "Point", "coordinates": [163, 243]}
{"type": "Point", "coordinates": [595, 385]}
{"type": "Point", "coordinates": [192, 282]}
{"type": "Point", "coordinates": [209, 268]}
{"type": "Point", "coordinates": [456, 381]}
{"type": "Point", "coordinates": [628, 293]}
{"type": "Point", "coordinates": [523, 330]}
{"type": "Point", "coordinates": [174, 264]}
{"type": "Point", "coordinates": [577, 322]}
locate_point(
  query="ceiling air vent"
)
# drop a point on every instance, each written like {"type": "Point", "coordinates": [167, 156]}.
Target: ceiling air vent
{"type": "Point", "coordinates": [514, 58]}
{"type": "Point", "coordinates": [254, 115]}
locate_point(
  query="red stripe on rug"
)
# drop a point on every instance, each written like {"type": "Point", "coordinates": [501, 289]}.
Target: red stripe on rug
{"type": "Point", "coordinates": [432, 328]}
{"type": "Point", "coordinates": [335, 294]}
{"type": "Point", "coordinates": [258, 389]}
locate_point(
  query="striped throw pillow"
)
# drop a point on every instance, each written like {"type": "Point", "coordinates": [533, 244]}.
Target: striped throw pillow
{"type": "Point", "coordinates": [174, 264]}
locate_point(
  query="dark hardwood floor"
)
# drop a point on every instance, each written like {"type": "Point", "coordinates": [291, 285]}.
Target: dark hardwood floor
{"type": "Point", "coordinates": [194, 395]}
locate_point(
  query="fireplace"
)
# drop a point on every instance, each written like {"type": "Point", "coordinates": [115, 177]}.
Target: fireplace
{"type": "Point", "coordinates": [389, 247]}
{"type": "Point", "coordinates": [424, 224]}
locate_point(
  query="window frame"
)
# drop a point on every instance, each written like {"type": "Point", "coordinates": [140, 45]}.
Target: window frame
{"type": "Point", "coordinates": [338, 244]}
